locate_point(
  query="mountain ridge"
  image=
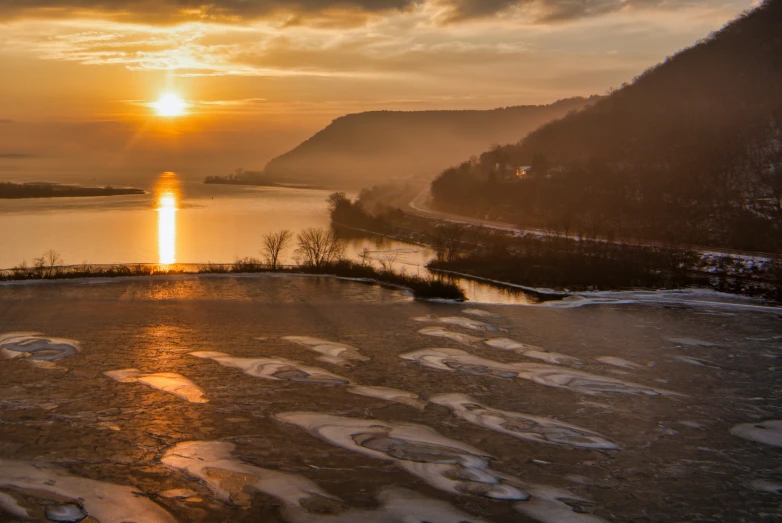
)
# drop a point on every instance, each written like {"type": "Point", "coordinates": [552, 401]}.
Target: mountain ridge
{"type": "Point", "coordinates": [366, 148]}
{"type": "Point", "coordinates": [689, 152]}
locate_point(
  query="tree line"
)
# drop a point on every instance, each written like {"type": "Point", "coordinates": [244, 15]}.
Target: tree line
{"type": "Point", "coordinates": [689, 152]}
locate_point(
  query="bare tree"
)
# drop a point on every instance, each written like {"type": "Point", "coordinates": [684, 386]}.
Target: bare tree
{"type": "Point", "coordinates": [387, 262]}
{"type": "Point", "coordinates": [274, 243]}
{"type": "Point", "coordinates": [447, 241]}
{"type": "Point", "coordinates": [366, 256]}
{"type": "Point", "coordinates": [52, 259]}
{"type": "Point", "coordinates": [318, 247]}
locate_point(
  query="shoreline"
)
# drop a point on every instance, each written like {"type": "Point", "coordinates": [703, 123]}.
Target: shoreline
{"type": "Point", "coordinates": [640, 296]}
{"type": "Point", "coordinates": [418, 287]}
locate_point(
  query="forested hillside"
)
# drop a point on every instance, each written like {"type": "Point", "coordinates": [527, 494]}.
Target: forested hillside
{"type": "Point", "coordinates": [689, 151]}
{"type": "Point", "coordinates": [360, 150]}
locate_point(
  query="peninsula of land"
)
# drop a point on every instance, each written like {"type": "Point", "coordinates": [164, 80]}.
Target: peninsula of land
{"type": "Point", "coordinates": [9, 190]}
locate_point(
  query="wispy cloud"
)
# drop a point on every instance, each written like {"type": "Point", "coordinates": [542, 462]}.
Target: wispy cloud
{"type": "Point", "coordinates": [16, 156]}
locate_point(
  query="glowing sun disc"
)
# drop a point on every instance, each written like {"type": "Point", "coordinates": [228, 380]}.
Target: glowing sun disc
{"type": "Point", "coordinates": [170, 105]}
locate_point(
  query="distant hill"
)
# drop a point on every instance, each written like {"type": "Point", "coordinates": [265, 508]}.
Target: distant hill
{"type": "Point", "coordinates": [690, 151]}
{"type": "Point", "coordinates": [360, 150]}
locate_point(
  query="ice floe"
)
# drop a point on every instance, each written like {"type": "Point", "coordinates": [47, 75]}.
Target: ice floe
{"type": "Point", "coordinates": [441, 332]}
{"type": "Point", "coordinates": [481, 313]}
{"type": "Point", "coordinates": [170, 382]}
{"type": "Point", "coordinates": [618, 362]}
{"type": "Point", "coordinates": [233, 481]}
{"type": "Point", "coordinates": [36, 346]}
{"type": "Point", "coordinates": [444, 463]}
{"type": "Point", "coordinates": [106, 502]}
{"type": "Point", "coordinates": [530, 351]}
{"type": "Point", "coordinates": [768, 432]}
{"type": "Point", "coordinates": [280, 369]}
{"type": "Point", "coordinates": [458, 360]}
{"type": "Point", "coordinates": [333, 352]}
{"type": "Point", "coordinates": [523, 426]}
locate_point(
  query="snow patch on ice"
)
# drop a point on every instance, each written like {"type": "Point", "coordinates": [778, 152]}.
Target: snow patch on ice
{"type": "Point", "coordinates": [454, 360]}
{"type": "Point", "coordinates": [692, 342]}
{"type": "Point", "coordinates": [481, 313]}
{"type": "Point", "coordinates": [36, 346]}
{"type": "Point", "coordinates": [441, 332]}
{"type": "Point", "coordinates": [106, 502]}
{"type": "Point", "coordinates": [522, 426]}
{"type": "Point", "coordinates": [466, 323]}
{"type": "Point", "coordinates": [553, 505]}
{"type": "Point", "coordinates": [170, 382]}
{"type": "Point", "coordinates": [9, 505]}
{"type": "Point", "coordinates": [279, 369]}
{"type": "Point", "coordinates": [618, 362]}
{"type": "Point", "coordinates": [333, 352]}
{"type": "Point", "coordinates": [444, 463]}
{"type": "Point", "coordinates": [233, 481]}
{"type": "Point", "coordinates": [531, 351]}
{"type": "Point", "coordinates": [767, 486]}
{"type": "Point", "coordinates": [389, 394]}
{"type": "Point", "coordinates": [768, 432]}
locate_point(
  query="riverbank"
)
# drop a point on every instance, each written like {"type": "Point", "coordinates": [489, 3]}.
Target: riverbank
{"type": "Point", "coordinates": [567, 264]}
{"type": "Point", "coordinates": [420, 287]}
{"type": "Point", "coordinates": [9, 190]}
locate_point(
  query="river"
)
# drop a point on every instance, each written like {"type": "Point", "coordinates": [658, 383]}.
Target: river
{"type": "Point", "coordinates": [185, 221]}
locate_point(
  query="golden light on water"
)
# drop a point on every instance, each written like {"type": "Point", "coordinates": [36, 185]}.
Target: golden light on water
{"type": "Point", "coordinates": [167, 194]}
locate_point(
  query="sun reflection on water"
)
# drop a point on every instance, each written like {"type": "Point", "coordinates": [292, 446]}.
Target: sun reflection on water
{"type": "Point", "coordinates": [167, 194]}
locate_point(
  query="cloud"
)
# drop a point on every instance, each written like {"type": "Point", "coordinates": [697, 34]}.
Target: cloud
{"type": "Point", "coordinates": [550, 11]}
{"type": "Point", "coordinates": [15, 156]}
{"type": "Point", "coordinates": [324, 13]}
{"type": "Point", "coordinates": [164, 12]}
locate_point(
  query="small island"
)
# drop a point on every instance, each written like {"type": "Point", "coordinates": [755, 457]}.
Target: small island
{"type": "Point", "coordinates": [10, 190]}
{"type": "Point", "coordinates": [242, 177]}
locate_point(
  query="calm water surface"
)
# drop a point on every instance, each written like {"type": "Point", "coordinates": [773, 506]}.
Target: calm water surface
{"type": "Point", "coordinates": [185, 221]}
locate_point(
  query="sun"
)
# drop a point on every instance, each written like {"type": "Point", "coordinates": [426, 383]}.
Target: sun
{"type": "Point", "coordinates": [170, 105]}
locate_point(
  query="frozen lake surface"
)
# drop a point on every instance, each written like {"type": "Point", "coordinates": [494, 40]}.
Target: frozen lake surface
{"type": "Point", "coordinates": [310, 399]}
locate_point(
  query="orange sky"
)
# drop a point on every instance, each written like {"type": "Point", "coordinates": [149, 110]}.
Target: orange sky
{"type": "Point", "coordinates": [78, 75]}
